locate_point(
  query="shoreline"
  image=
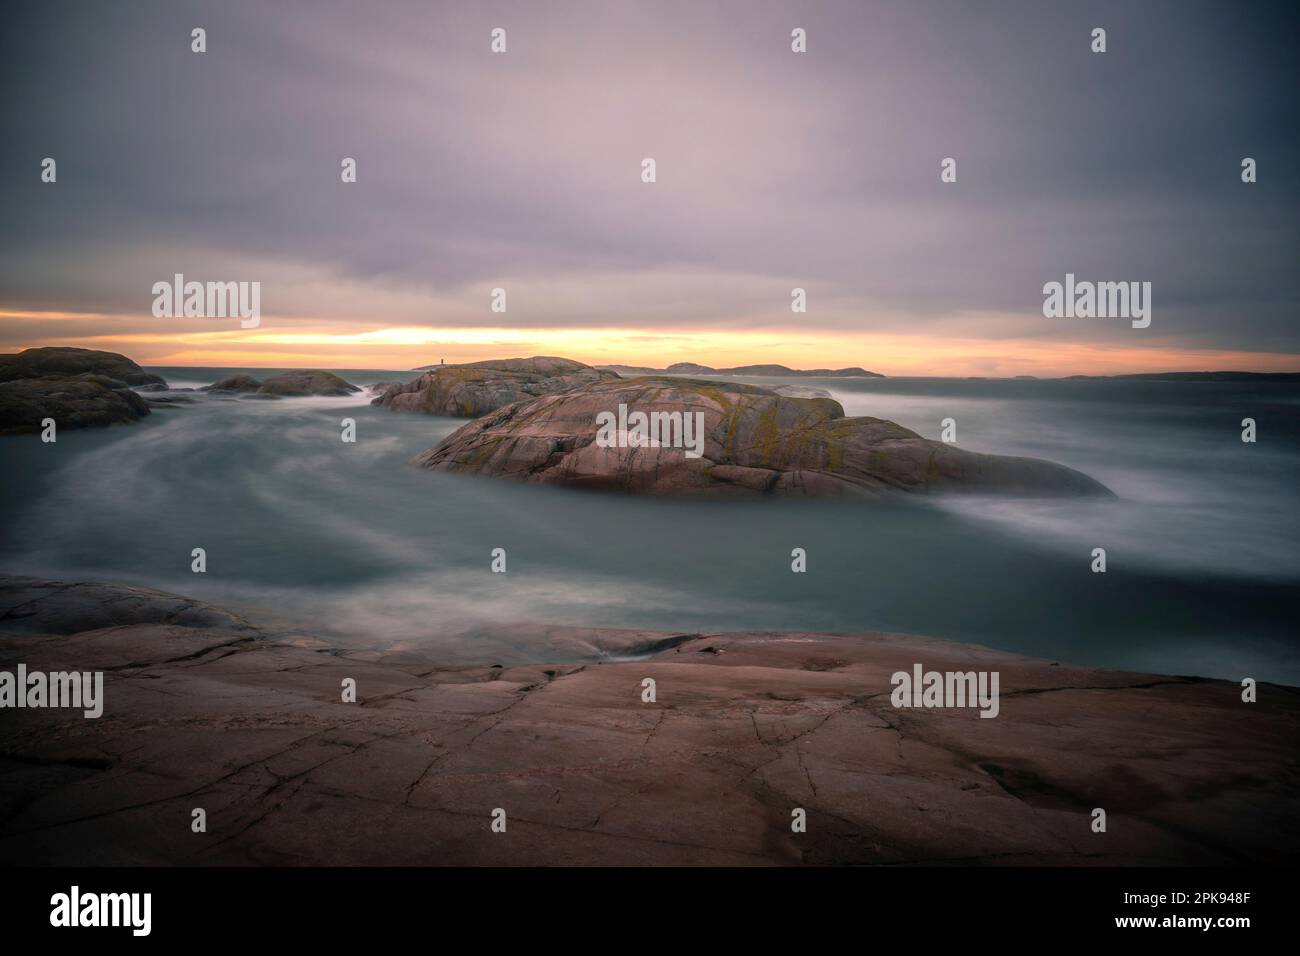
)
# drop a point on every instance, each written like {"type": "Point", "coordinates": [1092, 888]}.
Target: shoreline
{"type": "Point", "coordinates": [203, 709]}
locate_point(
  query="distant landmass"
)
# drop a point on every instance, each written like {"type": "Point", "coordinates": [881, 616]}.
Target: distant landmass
{"type": "Point", "coordinates": [691, 368]}
{"type": "Point", "coordinates": [1200, 376]}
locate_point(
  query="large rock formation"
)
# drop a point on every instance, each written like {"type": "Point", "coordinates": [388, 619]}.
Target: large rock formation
{"type": "Point", "coordinates": [78, 388]}
{"type": "Point", "coordinates": [81, 402]}
{"type": "Point", "coordinates": [800, 391]}
{"type": "Point", "coordinates": [307, 382]}
{"type": "Point", "coordinates": [237, 384]}
{"type": "Point", "coordinates": [297, 383]}
{"type": "Point", "coordinates": [65, 363]}
{"type": "Point", "coordinates": [201, 711]}
{"type": "Point", "coordinates": [467, 391]}
{"type": "Point", "coordinates": [754, 442]}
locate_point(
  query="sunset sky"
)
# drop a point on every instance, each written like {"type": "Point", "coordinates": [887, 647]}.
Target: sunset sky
{"type": "Point", "coordinates": [775, 170]}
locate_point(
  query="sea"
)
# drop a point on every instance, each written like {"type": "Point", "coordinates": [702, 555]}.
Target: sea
{"type": "Point", "coordinates": [352, 544]}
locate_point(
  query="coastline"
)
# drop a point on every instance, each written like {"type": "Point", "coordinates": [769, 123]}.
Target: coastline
{"type": "Point", "coordinates": [205, 709]}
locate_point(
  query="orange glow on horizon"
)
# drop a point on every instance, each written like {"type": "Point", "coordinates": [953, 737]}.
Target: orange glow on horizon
{"type": "Point", "coordinates": [307, 344]}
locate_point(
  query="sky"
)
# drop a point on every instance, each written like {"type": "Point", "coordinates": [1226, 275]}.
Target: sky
{"type": "Point", "coordinates": [774, 170]}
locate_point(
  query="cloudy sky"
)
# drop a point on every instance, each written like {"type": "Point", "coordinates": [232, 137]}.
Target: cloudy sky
{"type": "Point", "coordinates": [774, 170]}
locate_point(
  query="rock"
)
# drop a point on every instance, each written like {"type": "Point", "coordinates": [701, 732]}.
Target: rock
{"type": "Point", "coordinates": [306, 382]}
{"type": "Point", "coordinates": [745, 728]}
{"type": "Point", "coordinates": [631, 371]}
{"type": "Point", "coordinates": [467, 391]}
{"type": "Point", "coordinates": [169, 401]}
{"type": "Point", "coordinates": [78, 402]}
{"type": "Point", "coordinates": [755, 442]}
{"type": "Point", "coordinates": [380, 387]}
{"type": "Point", "coordinates": [38, 606]}
{"type": "Point", "coordinates": [690, 368]}
{"type": "Point", "coordinates": [296, 383]}
{"type": "Point", "coordinates": [235, 383]}
{"type": "Point", "coordinates": [800, 391]}
{"type": "Point", "coordinates": [78, 388]}
{"type": "Point", "coordinates": [59, 362]}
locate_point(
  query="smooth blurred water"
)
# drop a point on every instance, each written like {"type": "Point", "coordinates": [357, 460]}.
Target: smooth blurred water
{"type": "Point", "coordinates": [352, 543]}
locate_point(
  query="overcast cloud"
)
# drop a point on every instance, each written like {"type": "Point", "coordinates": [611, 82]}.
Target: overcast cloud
{"type": "Point", "coordinates": [774, 170]}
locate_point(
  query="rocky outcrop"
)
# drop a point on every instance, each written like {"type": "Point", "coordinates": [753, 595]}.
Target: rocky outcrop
{"type": "Point", "coordinates": [236, 384]}
{"type": "Point", "coordinates": [167, 402]}
{"type": "Point", "coordinates": [754, 442]}
{"type": "Point", "coordinates": [39, 606]}
{"type": "Point", "coordinates": [80, 402]}
{"type": "Point", "coordinates": [307, 382]}
{"type": "Point", "coordinates": [745, 728]}
{"type": "Point", "coordinates": [467, 391]}
{"type": "Point", "coordinates": [290, 384]}
{"type": "Point", "coordinates": [631, 371]}
{"type": "Point", "coordinates": [800, 391]}
{"type": "Point", "coordinates": [78, 388]}
{"type": "Point", "coordinates": [66, 363]}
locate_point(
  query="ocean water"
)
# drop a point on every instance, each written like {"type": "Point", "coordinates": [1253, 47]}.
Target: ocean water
{"type": "Point", "coordinates": [351, 543]}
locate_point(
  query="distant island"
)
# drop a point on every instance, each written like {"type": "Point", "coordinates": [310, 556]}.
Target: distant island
{"type": "Point", "coordinates": [691, 368]}
{"type": "Point", "coordinates": [1199, 376]}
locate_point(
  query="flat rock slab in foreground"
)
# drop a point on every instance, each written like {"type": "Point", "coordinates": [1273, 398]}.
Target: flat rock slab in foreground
{"type": "Point", "coordinates": [746, 728]}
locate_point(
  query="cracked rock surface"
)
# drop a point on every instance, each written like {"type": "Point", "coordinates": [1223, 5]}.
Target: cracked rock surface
{"type": "Point", "coordinates": [204, 710]}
